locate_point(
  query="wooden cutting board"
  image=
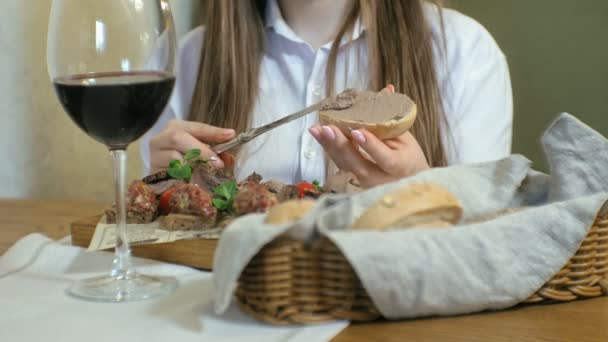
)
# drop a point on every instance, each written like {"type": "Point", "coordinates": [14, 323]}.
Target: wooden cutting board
{"type": "Point", "coordinates": [193, 253]}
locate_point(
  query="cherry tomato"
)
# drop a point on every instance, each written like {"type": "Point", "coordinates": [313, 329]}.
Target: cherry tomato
{"type": "Point", "coordinates": [228, 159]}
{"type": "Point", "coordinates": [303, 187]}
{"type": "Point", "coordinates": [163, 204]}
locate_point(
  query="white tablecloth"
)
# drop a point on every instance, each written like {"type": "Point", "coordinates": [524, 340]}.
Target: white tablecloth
{"type": "Point", "coordinates": [33, 306]}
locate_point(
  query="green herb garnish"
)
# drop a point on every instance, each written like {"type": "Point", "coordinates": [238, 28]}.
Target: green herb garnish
{"type": "Point", "coordinates": [192, 154]}
{"type": "Point", "coordinates": [317, 185]}
{"type": "Point", "coordinates": [224, 195]}
{"type": "Point", "coordinates": [182, 170]}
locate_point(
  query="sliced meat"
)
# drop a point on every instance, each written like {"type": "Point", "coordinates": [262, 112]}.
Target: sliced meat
{"type": "Point", "coordinates": [288, 192]}
{"type": "Point", "coordinates": [274, 186]}
{"type": "Point", "coordinates": [209, 177]}
{"type": "Point", "coordinates": [162, 186]}
{"type": "Point", "coordinates": [157, 177]}
{"type": "Point", "coordinates": [254, 198]}
{"type": "Point", "coordinates": [253, 178]}
{"type": "Point", "coordinates": [312, 194]}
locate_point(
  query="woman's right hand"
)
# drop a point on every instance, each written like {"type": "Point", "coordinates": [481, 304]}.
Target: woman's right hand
{"type": "Point", "coordinates": [181, 136]}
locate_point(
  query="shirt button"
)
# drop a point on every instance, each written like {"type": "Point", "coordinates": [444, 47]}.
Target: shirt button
{"type": "Point", "coordinates": [316, 90]}
{"type": "Point", "coordinates": [310, 153]}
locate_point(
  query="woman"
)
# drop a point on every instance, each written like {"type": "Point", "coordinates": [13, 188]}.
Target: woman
{"type": "Point", "coordinates": [256, 61]}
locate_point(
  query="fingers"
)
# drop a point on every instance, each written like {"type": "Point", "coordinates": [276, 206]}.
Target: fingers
{"type": "Point", "coordinates": [403, 141]}
{"type": "Point", "coordinates": [379, 178]}
{"type": "Point", "coordinates": [394, 144]}
{"type": "Point", "coordinates": [387, 160]}
{"type": "Point", "coordinates": [203, 132]}
{"type": "Point", "coordinates": [159, 160]}
{"type": "Point", "coordinates": [178, 141]}
{"type": "Point", "coordinates": [342, 151]}
{"type": "Point", "coordinates": [384, 156]}
{"type": "Point", "coordinates": [390, 88]}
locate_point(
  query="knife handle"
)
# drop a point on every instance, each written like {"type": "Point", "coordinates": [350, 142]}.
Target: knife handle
{"type": "Point", "coordinates": [240, 139]}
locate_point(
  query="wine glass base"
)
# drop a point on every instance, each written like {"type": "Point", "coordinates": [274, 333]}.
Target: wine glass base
{"type": "Point", "coordinates": [122, 288]}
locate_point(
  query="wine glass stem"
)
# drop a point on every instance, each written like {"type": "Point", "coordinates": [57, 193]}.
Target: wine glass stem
{"type": "Point", "coordinates": [122, 261]}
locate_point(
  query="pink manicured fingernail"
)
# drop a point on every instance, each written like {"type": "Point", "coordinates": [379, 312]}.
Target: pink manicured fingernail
{"type": "Point", "coordinates": [228, 132]}
{"type": "Point", "coordinates": [328, 133]}
{"type": "Point", "coordinates": [358, 137]}
{"type": "Point", "coordinates": [315, 132]}
{"type": "Point", "coordinates": [218, 163]}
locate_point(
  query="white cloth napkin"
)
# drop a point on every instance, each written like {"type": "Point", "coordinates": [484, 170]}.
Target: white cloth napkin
{"type": "Point", "coordinates": [33, 306]}
{"type": "Point", "coordinates": [471, 267]}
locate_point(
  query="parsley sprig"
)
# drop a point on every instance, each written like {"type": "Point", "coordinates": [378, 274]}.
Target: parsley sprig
{"type": "Point", "coordinates": [317, 185]}
{"type": "Point", "coordinates": [182, 169]}
{"type": "Point", "coordinates": [224, 195]}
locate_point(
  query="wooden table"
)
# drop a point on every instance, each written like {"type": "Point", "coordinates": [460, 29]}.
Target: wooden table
{"type": "Point", "coordinates": [577, 321]}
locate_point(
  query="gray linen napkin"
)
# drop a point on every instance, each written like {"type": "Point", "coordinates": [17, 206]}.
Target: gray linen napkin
{"type": "Point", "coordinates": [474, 267]}
{"type": "Point", "coordinates": [492, 265]}
{"type": "Point", "coordinates": [578, 157]}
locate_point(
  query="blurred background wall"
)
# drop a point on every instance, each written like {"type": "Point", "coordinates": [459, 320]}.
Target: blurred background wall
{"type": "Point", "coordinates": [42, 153]}
{"type": "Point", "coordinates": [558, 55]}
{"type": "Point", "coordinates": [556, 49]}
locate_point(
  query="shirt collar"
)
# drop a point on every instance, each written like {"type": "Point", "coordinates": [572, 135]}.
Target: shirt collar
{"type": "Point", "coordinates": [275, 21]}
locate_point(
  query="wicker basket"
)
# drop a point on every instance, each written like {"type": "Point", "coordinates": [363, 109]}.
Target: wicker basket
{"type": "Point", "coordinates": [289, 282]}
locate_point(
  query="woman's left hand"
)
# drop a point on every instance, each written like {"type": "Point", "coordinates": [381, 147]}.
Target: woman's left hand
{"type": "Point", "coordinates": [383, 161]}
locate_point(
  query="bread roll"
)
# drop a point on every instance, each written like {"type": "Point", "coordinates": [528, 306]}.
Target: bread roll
{"type": "Point", "coordinates": [289, 211]}
{"type": "Point", "coordinates": [419, 204]}
{"type": "Point", "coordinates": [385, 114]}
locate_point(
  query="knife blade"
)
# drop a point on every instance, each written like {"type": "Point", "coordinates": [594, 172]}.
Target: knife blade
{"type": "Point", "coordinates": [343, 100]}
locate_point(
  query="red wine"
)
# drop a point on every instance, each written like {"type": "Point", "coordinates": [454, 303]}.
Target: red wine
{"type": "Point", "coordinates": [115, 108]}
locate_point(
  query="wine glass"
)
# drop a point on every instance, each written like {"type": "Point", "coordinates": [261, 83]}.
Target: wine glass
{"type": "Point", "coordinates": [112, 65]}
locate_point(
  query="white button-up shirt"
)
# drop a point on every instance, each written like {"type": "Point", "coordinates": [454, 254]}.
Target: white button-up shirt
{"type": "Point", "coordinates": [473, 77]}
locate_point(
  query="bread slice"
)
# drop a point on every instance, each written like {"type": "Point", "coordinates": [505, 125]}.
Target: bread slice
{"type": "Point", "coordinates": [386, 115]}
{"type": "Point", "coordinates": [133, 217]}
{"type": "Point", "coordinates": [419, 204]}
{"type": "Point", "coordinates": [289, 211]}
{"type": "Point", "coordinates": [184, 222]}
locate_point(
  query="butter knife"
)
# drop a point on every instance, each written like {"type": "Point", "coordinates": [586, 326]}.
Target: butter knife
{"type": "Point", "coordinates": [341, 101]}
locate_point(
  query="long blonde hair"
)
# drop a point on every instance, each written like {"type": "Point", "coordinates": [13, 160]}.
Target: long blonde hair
{"type": "Point", "coordinates": [400, 52]}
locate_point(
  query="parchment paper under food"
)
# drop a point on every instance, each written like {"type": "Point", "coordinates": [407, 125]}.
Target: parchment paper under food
{"type": "Point", "coordinates": [144, 234]}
